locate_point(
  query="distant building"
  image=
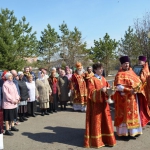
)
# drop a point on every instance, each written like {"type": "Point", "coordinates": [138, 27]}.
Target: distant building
{"type": "Point", "coordinates": [31, 59]}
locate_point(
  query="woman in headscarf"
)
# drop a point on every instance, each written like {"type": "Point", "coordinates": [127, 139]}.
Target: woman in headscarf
{"type": "Point", "coordinates": [24, 97]}
{"type": "Point", "coordinates": [31, 106]}
{"type": "Point", "coordinates": [44, 91]}
{"type": "Point", "coordinates": [10, 101]}
{"type": "Point", "coordinates": [63, 89]}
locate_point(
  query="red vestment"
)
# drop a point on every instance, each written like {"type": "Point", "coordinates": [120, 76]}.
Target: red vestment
{"type": "Point", "coordinates": [126, 108]}
{"type": "Point", "coordinates": [145, 104]}
{"type": "Point", "coordinates": [78, 85]}
{"type": "Point", "coordinates": [99, 130]}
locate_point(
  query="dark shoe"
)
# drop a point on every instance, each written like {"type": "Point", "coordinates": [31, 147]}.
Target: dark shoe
{"type": "Point", "coordinates": [46, 113]}
{"type": "Point", "coordinates": [55, 111]}
{"type": "Point", "coordinates": [7, 132]}
{"type": "Point", "coordinates": [65, 108]}
{"type": "Point", "coordinates": [33, 115]}
{"type": "Point", "coordinates": [51, 112]}
{"type": "Point", "coordinates": [42, 114]}
{"type": "Point", "coordinates": [25, 119]}
{"type": "Point", "coordinates": [21, 119]}
{"type": "Point", "coordinates": [14, 129]}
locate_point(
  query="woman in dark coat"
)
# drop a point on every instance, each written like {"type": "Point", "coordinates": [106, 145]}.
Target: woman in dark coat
{"type": "Point", "coordinates": [54, 97]}
{"type": "Point", "coordinates": [63, 89]}
{"type": "Point", "coordinates": [24, 98]}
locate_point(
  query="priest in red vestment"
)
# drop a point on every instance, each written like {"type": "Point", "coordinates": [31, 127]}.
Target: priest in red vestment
{"type": "Point", "coordinates": [78, 88]}
{"type": "Point", "coordinates": [99, 129]}
{"type": "Point", "coordinates": [129, 120]}
{"type": "Point", "coordinates": [145, 103]}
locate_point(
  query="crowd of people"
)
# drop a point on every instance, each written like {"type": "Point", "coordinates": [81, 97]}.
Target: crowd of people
{"type": "Point", "coordinates": [20, 91]}
{"type": "Point", "coordinates": [86, 91]}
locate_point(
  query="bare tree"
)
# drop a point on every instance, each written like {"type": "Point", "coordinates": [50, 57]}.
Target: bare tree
{"type": "Point", "coordinates": [142, 26]}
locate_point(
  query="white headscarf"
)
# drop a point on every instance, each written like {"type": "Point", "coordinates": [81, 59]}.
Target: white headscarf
{"type": "Point", "coordinates": [7, 75]}
{"type": "Point", "coordinates": [39, 76]}
{"type": "Point", "coordinates": [20, 73]}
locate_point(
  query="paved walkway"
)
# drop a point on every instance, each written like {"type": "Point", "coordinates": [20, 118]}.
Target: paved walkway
{"type": "Point", "coordinates": [63, 131]}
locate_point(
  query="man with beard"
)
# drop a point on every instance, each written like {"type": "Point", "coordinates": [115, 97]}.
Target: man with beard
{"type": "Point", "coordinates": [78, 87]}
{"type": "Point", "coordinates": [89, 73]}
{"type": "Point", "coordinates": [129, 90]}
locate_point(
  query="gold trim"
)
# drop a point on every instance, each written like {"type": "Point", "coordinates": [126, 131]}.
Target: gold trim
{"type": "Point", "coordinates": [84, 95]}
{"type": "Point", "coordinates": [133, 127]}
{"type": "Point", "coordinates": [87, 136]}
{"type": "Point", "coordinates": [130, 127]}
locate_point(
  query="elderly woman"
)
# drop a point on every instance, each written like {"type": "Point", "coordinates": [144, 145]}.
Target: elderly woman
{"type": "Point", "coordinates": [31, 106]}
{"type": "Point", "coordinates": [54, 97]}
{"type": "Point", "coordinates": [24, 97]}
{"type": "Point", "coordinates": [63, 89]}
{"type": "Point", "coordinates": [10, 101]}
{"type": "Point", "coordinates": [44, 91]}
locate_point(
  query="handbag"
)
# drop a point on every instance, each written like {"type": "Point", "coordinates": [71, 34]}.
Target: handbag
{"type": "Point", "coordinates": [51, 99]}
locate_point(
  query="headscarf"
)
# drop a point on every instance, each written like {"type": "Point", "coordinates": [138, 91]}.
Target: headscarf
{"type": "Point", "coordinates": [39, 76]}
{"type": "Point", "coordinates": [20, 73]}
{"type": "Point", "coordinates": [7, 75]}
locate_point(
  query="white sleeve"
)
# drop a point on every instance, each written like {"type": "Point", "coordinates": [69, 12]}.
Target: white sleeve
{"type": "Point", "coordinates": [120, 87]}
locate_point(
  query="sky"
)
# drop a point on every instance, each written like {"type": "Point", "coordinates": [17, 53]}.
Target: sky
{"type": "Point", "coordinates": [94, 18]}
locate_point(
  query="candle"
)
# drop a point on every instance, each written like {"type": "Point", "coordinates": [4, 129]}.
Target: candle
{"type": "Point", "coordinates": [113, 85]}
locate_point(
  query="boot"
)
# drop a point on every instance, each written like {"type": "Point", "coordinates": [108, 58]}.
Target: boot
{"type": "Point", "coordinates": [42, 112]}
{"type": "Point", "coordinates": [20, 117]}
{"type": "Point", "coordinates": [46, 113]}
{"type": "Point", "coordinates": [33, 115]}
{"type": "Point", "coordinates": [51, 108]}
{"type": "Point", "coordinates": [61, 107]}
{"type": "Point", "coordinates": [64, 106]}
